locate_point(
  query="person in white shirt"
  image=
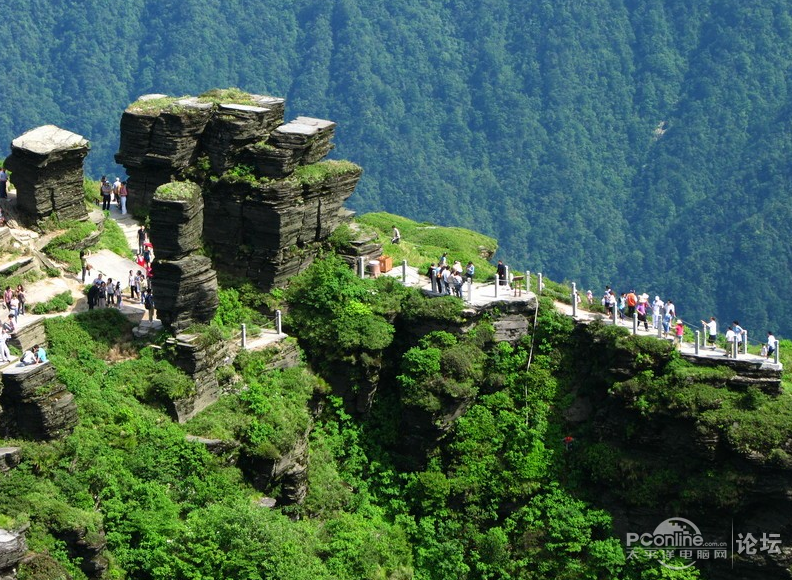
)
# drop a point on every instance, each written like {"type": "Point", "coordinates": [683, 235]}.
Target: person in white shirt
{"type": "Point", "coordinates": [396, 235]}
{"type": "Point", "coordinates": [772, 343]}
{"type": "Point", "coordinates": [657, 308]}
{"type": "Point", "coordinates": [712, 330]}
{"type": "Point", "coordinates": [729, 341]}
{"type": "Point", "coordinates": [5, 354]}
{"type": "Point", "coordinates": [3, 183]}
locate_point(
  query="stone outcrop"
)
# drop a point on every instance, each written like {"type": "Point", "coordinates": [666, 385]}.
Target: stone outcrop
{"type": "Point", "coordinates": [13, 547]}
{"type": "Point", "coordinates": [35, 404]}
{"type": "Point", "coordinates": [87, 548]}
{"type": "Point", "coordinates": [199, 358]}
{"type": "Point", "coordinates": [24, 337]}
{"type": "Point", "coordinates": [234, 127]}
{"type": "Point", "coordinates": [47, 167]}
{"type": "Point", "coordinates": [362, 242]}
{"type": "Point", "coordinates": [9, 458]}
{"type": "Point", "coordinates": [268, 231]}
{"type": "Point", "coordinates": [158, 144]}
{"type": "Point", "coordinates": [289, 471]}
{"type": "Point", "coordinates": [184, 284]}
{"type": "Point", "coordinates": [269, 199]}
{"type": "Point", "coordinates": [747, 373]}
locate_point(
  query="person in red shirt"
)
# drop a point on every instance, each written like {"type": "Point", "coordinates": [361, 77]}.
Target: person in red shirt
{"type": "Point", "coordinates": [632, 300]}
{"type": "Point", "coordinates": [680, 332]}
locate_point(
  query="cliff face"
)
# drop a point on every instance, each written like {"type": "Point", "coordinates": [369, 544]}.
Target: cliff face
{"type": "Point", "coordinates": [657, 439]}
{"type": "Point", "coordinates": [267, 230]}
{"type": "Point", "coordinates": [269, 198]}
{"type": "Point", "coordinates": [35, 404]}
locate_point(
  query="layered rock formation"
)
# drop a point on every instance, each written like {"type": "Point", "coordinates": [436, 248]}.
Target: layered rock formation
{"type": "Point", "coordinates": [13, 547]}
{"type": "Point", "coordinates": [24, 337]}
{"type": "Point", "coordinates": [269, 198]}
{"type": "Point", "coordinates": [35, 404]}
{"type": "Point", "coordinates": [199, 358]}
{"type": "Point", "coordinates": [267, 230]}
{"type": "Point", "coordinates": [289, 471]}
{"type": "Point", "coordinates": [47, 167]}
{"type": "Point", "coordinates": [159, 143]}
{"type": "Point", "coordinates": [184, 284]}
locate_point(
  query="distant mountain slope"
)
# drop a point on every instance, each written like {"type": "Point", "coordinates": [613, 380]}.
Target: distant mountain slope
{"type": "Point", "coordinates": [534, 122]}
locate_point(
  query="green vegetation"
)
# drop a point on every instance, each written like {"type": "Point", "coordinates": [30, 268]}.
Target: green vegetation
{"type": "Point", "coordinates": [93, 196]}
{"type": "Point", "coordinates": [319, 172]}
{"type": "Point", "coordinates": [113, 239]}
{"type": "Point", "coordinates": [65, 248]}
{"type": "Point", "coordinates": [153, 106]}
{"type": "Point", "coordinates": [59, 303]}
{"type": "Point", "coordinates": [241, 173]}
{"type": "Point", "coordinates": [177, 191]}
{"type": "Point", "coordinates": [222, 96]}
{"type": "Point", "coordinates": [424, 243]}
{"type": "Point", "coordinates": [457, 466]}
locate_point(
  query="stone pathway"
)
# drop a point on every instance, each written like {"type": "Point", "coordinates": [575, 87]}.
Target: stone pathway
{"type": "Point", "coordinates": [688, 349]}
{"type": "Point", "coordinates": [483, 292]}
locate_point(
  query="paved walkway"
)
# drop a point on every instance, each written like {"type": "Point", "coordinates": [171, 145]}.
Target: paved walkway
{"type": "Point", "coordinates": [688, 349]}
{"type": "Point", "coordinates": [484, 293]}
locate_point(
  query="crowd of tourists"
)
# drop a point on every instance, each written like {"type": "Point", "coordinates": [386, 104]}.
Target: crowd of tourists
{"type": "Point", "coordinates": [663, 315]}
{"type": "Point", "coordinates": [115, 192]}
{"type": "Point", "coordinates": [448, 279]}
{"type": "Point", "coordinates": [109, 293]}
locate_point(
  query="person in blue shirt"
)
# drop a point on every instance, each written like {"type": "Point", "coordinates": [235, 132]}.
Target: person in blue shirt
{"type": "Point", "coordinates": [41, 354]}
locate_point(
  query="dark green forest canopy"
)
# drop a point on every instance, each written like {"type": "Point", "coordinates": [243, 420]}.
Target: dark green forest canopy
{"type": "Point", "coordinates": [632, 143]}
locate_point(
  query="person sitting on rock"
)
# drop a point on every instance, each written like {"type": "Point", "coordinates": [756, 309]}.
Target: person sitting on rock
{"type": "Point", "coordinates": [27, 359]}
{"type": "Point", "coordinates": [40, 354]}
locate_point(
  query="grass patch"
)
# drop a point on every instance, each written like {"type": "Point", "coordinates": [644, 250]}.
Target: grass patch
{"type": "Point", "coordinates": [28, 277]}
{"type": "Point", "coordinates": [64, 248]}
{"type": "Point", "coordinates": [264, 146]}
{"type": "Point", "coordinates": [153, 106]}
{"type": "Point", "coordinates": [318, 172]}
{"type": "Point", "coordinates": [59, 303]}
{"type": "Point", "coordinates": [91, 191]}
{"type": "Point", "coordinates": [113, 239]}
{"type": "Point", "coordinates": [227, 96]}
{"type": "Point", "coordinates": [424, 243]}
{"type": "Point", "coordinates": [177, 191]}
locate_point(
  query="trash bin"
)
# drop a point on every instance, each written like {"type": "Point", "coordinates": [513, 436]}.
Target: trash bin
{"type": "Point", "coordinates": [374, 268]}
{"type": "Point", "coordinates": [386, 264]}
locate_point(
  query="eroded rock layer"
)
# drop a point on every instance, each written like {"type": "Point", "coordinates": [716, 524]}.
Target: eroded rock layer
{"type": "Point", "coordinates": [269, 198]}
{"type": "Point", "coordinates": [35, 404]}
{"type": "Point", "coordinates": [185, 291]}
{"type": "Point", "coordinates": [47, 170]}
{"type": "Point", "coordinates": [268, 230]}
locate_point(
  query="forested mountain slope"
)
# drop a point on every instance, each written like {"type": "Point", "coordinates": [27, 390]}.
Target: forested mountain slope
{"type": "Point", "coordinates": [623, 142]}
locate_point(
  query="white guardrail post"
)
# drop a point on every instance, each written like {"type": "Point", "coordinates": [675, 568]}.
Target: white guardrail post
{"type": "Point", "coordinates": [574, 300]}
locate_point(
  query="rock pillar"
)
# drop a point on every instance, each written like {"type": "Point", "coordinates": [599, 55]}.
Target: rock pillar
{"type": "Point", "coordinates": [47, 169]}
{"type": "Point", "coordinates": [184, 284]}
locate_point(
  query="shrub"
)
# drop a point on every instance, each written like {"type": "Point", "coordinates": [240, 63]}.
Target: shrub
{"type": "Point", "coordinates": [59, 303]}
{"type": "Point", "coordinates": [177, 191]}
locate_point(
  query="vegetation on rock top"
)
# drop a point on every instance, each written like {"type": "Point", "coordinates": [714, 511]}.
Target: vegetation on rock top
{"type": "Point", "coordinates": [177, 191]}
